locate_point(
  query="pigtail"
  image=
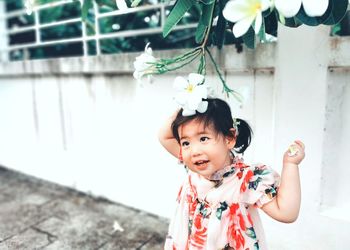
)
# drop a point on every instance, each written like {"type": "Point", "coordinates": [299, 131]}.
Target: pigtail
{"type": "Point", "coordinates": [244, 136]}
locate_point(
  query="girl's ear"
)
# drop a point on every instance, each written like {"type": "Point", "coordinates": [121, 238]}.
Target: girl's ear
{"type": "Point", "coordinates": [231, 139]}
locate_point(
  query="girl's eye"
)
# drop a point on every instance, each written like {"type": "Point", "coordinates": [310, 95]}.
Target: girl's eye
{"type": "Point", "coordinates": [185, 143]}
{"type": "Point", "coordinates": [204, 139]}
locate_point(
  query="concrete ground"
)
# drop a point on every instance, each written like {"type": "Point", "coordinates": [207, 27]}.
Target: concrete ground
{"type": "Point", "coordinates": [36, 214]}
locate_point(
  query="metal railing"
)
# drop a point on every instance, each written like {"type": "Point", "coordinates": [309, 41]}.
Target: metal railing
{"type": "Point", "coordinates": [6, 48]}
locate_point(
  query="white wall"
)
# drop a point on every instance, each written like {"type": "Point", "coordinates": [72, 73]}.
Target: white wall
{"type": "Point", "coordinates": [85, 123]}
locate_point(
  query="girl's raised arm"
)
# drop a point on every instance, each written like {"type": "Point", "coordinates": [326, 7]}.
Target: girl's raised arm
{"type": "Point", "coordinates": [285, 207]}
{"type": "Point", "coordinates": [167, 139]}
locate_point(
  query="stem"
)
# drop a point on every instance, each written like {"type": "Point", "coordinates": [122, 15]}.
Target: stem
{"type": "Point", "coordinates": [180, 57]}
{"type": "Point", "coordinates": [185, 63]}
{"type": "Point", "coordinates": [225, 87]}
{"type": "Point", "coordinates": [202, 65]}
{"type": "Point", "coordinates": [207, 32]}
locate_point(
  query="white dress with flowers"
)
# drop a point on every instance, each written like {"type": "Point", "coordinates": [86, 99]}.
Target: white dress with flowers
{"type": "Point", "coordinates": [222, 214]}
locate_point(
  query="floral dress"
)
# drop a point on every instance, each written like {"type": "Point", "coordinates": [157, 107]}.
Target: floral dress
{"type": "Point", "coordinates": [222, 213]}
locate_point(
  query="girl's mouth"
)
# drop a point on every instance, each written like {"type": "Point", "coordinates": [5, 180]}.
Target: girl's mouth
{"type": "Point", "coordinates": [201, 164]}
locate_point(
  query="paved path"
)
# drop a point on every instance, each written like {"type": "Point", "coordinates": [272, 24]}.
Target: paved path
{"type": "Point", "coordinates": [36, 214]}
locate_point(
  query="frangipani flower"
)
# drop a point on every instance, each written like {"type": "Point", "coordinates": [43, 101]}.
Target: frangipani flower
{"type": "Point", "coordinates": [290, 8]}
{"type": "Point", "coordinates": [121, 4]}
{"type": "Point", "coordinates": [29, 6]}
{"type": "Point", "coordinates": [144, 63]}
{"type": "Point", "coordinates": [191, 94]}
{"type": "Point", "coordinates": [244, 12]}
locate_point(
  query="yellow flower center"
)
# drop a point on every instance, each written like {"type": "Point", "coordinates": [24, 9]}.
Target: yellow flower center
{"type": "Point", "coordinates": [255, 8]}
{"type": "Point", "coordinates": [190, 88]}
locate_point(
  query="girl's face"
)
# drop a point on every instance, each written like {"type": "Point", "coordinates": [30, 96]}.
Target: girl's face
{"type": "Point", "coordinates": [204, 151]}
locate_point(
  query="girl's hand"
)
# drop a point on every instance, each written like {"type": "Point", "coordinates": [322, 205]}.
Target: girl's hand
{"type": "Point", "coordinates": [295, 153]}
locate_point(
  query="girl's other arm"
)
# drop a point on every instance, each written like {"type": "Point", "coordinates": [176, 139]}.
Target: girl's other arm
{"type": "Point", "coordinates": [167, 139]}
{"type": "Point", "coordinates": [285, 207]}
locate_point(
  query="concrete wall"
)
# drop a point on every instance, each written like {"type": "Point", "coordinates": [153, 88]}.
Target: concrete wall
{"type": "Point", "coordinates": [86, 123]}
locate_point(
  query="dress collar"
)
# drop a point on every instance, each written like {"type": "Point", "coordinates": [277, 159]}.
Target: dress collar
{"type": "Point", "coordinates": [219, 175]}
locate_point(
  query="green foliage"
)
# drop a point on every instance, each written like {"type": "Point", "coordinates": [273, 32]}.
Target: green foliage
{"type": "Point", "coordinates": [335, 12]}
{"type": "Point", "coordinates": [87, 4]}
{"type": "Point", "coordinates": [305, 19]}
{"type": "Point", "coordinates": [178, 11]}
{"type": "Point", "coordinates": [204, 21]}
{"type": "Point", "coordinates": [59, 13]}
{"type": "Point", "coordinates": [343, 27]}
{"type": "Point", "coordinates": [249, 38]}
{"type": "Point", "coordinates": [219, 31]}
{"type": "Point", "coordinates": [203, 13]}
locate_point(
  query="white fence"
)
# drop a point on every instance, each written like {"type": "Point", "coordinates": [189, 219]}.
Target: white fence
{"type": "Point", "coordinates": [37, 26]}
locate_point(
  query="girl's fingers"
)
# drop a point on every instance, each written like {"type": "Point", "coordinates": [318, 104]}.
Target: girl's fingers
{"type": "Point", "coordinates": [300, 144]}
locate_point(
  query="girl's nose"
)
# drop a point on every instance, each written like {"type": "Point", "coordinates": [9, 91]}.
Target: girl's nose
{"type": "Point", "coordinates": [195, 150]}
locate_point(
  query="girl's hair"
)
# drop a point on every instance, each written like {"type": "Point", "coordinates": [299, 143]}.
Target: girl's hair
{"type": "Point", "coordinates": [219, 116]}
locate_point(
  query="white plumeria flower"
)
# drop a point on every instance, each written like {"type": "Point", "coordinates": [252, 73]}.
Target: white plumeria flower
{"type": "Point", "coordinates": [121, 4]}
{"type": "Point", "coordinates": [191, 94]}
{"type": "Point", "coordinates": [29, 6]}
{"type": "Point", "coordinates": [143, 63]}
{"type": "Point", "coordinates": [291, 8]}
{"type": "Point", "coordinates": [244, 12]}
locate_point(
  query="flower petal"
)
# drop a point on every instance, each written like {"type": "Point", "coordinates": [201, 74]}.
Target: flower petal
{"type": "Point", "coordinates": [242, 26]}
{"type": "Point", "coordinates": [121, 4]}
{"type": "Point", "coordinates": [235, 10]}
{"type": "Point", "coordinates": [196, 79]}
{"type": "Point", "coordinates": [188, 112]}
{"type": "Point", "coordinates": [181, 98]}
{"type": "Point", "coordinates": [193, 101]}
{"type": "Point", "coordinates": [201, 91]}
{"type": "Point", "coordinates": [137, 75]}
{"type": "Point", "coordinates": [315, 7]}
{"type": "Point", "coordinates": [180, 83]}
{"type": "Point", "coordinates": [148, 49]}
{"type": "Point", "coordinates": [288, 8]}
{"type": "Point", "coordinates": [258, 22]}
{"type": "Point", "coordinates": [265, 4]}
{"type": "Point", "coordinates": [202, 107]}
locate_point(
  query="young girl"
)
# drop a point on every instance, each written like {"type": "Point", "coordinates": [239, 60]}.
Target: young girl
{"type": "Point", "coordinates": [217, 204]}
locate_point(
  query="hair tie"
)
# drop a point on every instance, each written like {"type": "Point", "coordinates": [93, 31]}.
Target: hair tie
{"type": "Point", "coordinates": [235, 125]}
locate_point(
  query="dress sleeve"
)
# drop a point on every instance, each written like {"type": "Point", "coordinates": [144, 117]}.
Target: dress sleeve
{"type": "Point", "coordinates": [259, 185]}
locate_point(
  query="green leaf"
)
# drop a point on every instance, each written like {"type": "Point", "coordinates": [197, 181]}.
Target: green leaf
{"type": "Point", "coordinates": [251, 232]}
{"type": "Point", "coordinates": [335, 12]}
{"type": "Point", "coordinates": [176, 13]}
{"type": "Point", "coordinates": [271, 24]}
{"type": "Point", "coordinates": [87, 4]}
{"type": "Point", "coordinates": [256, 246]}
{"type": "Point", "coordinates": [204, 21]}
{"type": "Point", "coordinates": [292, 22]}
{"type": "Point", "coordinates": [207, 14]}
{"type": "Point", "coordinates": [336, 29]}
{"type": "Point", "coordinates": [135, 3]}
{"type": "Point", "coordinates": [261, 171]}
{"type": "Point", "coordinates": [200, 32]}
{"type": "Point", "coordinates": [305, 19]}
{"type": "Point", "coordinates": [262, 34]}
{"type": "Point", "coordinates": [220, 26]}
{"type": "Point", "coordinates": [249, 38]}
{"type": "Point", "coordinates": [267, 12]}
{"type": "Point", "coordinates": [207, 2]}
